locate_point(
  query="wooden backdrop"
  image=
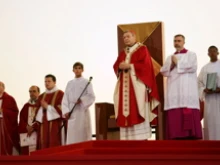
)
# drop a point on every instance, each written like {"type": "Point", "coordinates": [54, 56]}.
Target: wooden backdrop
{"type": "Point", "coordinates": [151, 35]}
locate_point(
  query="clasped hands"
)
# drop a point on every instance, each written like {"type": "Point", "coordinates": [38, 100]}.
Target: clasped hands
{"type": "Point", "coordinates": [123, 65]}
{"type": "Point", "coordinates": [174, 62]}
{"type": "Point", "coordinates": [30, 130]}
{"type": "Point", "coordinates": [209, 91]}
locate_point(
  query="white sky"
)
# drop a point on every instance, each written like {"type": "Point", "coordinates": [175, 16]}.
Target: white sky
{"type": "Point", "coordinates": [38, 37]}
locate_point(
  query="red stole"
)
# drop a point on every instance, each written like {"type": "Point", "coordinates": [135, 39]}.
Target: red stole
{"type": "Point", "coordinates": [23, 122]}
{"type": "Point", "coordinates": [48, 130]}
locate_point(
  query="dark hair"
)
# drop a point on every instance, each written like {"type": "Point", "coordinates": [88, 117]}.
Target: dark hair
{"type": "Point", "coordinates": [213, 47]}
{"type": "Point", "coordinates": [78, 64]}
{"type": "Point", "coordinates": [51, 76]}
{"type": "Point", "coordinates": [180, 35]}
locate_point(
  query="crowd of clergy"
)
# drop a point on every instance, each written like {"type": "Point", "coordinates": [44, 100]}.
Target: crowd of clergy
{"type": "Point", "coordinates": [54, 117]}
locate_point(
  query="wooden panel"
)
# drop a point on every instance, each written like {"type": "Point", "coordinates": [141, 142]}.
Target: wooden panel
{"type": "Point", "coordinates": [151, 35]}
{"type": "Point", "coordinates": [106, 127]}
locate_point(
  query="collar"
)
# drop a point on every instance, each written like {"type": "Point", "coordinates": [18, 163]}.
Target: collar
{"type": "Point", "coordinates": [132, 48]}
{"type": "Point", "coordinates": [52, 90]}
{"type": "Point", "coordinates": [32, 102]}
{"type": "Point", "coordinates": [79, 78]}
{"type": "Point", "coordinates": [131, 45]}
{"type": "Point", "coordinates": [181, 51]}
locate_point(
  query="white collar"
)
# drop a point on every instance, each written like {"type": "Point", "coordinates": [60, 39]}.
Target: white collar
{"type": "Point", "coordinates": [32, 102]}
{"type": "Point", "coordinates": [78, 78]}
{"type": "Point", "coordinates": [132, 48]}
{"type": "Point", "coordinates": [52, 90]}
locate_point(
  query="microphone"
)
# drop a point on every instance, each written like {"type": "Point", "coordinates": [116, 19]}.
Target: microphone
{"type": "Point", "coordinates": [90, 79]}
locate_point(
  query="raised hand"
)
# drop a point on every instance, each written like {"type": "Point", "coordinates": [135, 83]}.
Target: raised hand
{"type": "Point", "coordinates": [124, 65]}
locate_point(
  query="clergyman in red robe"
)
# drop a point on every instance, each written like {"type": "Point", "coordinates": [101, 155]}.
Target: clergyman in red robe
{"type": "Point", "coordinates": [9, 138]}
{"type": "Point", "coordinates": [136, 96]}
{"type": "Point", "coordinates": [26, 120]}
{"type": "Point", "coordinates": [49, 115]}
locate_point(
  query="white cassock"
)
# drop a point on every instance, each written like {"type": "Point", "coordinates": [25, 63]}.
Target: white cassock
{"type": "Point", "coordinates": [212, 102]}
{"type": "Point", "coordinates": [79, 123]}
{"type": "Point", "coordinates": [182, 88]}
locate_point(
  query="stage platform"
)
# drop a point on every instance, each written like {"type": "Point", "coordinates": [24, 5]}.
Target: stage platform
{"type": "Point", "coordinates": [124, 153]}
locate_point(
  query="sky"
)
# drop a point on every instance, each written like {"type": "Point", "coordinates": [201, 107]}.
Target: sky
{"type": "Point", "coordinates": [39, 37]}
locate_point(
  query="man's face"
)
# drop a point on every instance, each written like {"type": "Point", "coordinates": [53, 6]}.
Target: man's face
{"type": "Point", "coordinates": [179, 42]}
{"type": "Point", "coordinates": [78, 71]}
{"type": "Point", "coordinates": [34, 93]}
{"type": "Point", "coordinates": [2, 89]}
{"type": "Point", "coordinates": [213, 54]}
{"type": "Point", "coordinates": [49, 83]}
{"type": "Point", "coordinates": [129, 39]}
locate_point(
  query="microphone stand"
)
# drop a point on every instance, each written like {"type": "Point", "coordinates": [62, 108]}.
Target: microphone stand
{"type": "Point", "coordinates": [64, 122]}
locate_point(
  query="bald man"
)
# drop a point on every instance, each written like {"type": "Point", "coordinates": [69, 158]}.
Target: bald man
{"type": "Point", "coordinates": [9, 138]}
{"type": "Point", "coordinates": [26, 121]}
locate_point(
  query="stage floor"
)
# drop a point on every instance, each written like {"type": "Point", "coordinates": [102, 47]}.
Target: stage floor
{"type": "Point", "coordinates": [125, 153]}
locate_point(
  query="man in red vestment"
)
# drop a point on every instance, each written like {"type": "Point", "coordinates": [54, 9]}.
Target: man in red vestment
{"type": "Point", "coordinates": [9, 138]}
{"type": "Point", "coordinates": [26, 118]}
{"type": "Point", "coordinates": [48, 115]}
{"type": "Point", "coordinates": [136, 97]}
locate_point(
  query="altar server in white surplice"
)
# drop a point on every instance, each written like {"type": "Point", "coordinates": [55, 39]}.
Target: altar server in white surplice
{"type": "Point", "coordinates": [181, 98]}
{"type": "Point", "coordinates": [79, 124]}
{"type": "Point", "coordinates": [211, 97]}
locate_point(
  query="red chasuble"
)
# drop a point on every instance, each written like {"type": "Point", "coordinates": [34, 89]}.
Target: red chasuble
{"type": "Point", "coordinates": [22, 128]}
{"type": "Point", "coordinates": [9, 137]}
{"type": "Point", "coordinates": [48, 130]}
{"type": "Point", "coordinates": [143, 66]}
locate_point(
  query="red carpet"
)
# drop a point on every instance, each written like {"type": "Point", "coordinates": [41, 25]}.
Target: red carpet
{"type": "Point", "coordinates": [126, 152]}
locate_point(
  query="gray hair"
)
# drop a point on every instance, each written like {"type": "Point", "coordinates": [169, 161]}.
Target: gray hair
{"type": "Point", "coordinates": [180, 35]}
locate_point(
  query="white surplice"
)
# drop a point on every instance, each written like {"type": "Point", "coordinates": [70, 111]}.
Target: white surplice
{"type": "Point", "coordinates": [79, 123]}
{"type": "Point", "coordinates": [181, 86]}
{"type": "Point", "coordinates": [52, 114]}
{"type": "Point", "coordinates": [212, 102]}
